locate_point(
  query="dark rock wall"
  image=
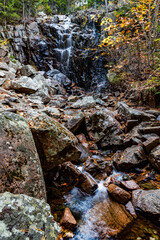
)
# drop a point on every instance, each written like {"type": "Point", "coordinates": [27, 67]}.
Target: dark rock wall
{"type": "Point", "coordinates": [68, 44]}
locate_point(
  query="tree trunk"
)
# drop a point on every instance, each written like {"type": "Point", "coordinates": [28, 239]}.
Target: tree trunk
{"type": "Point", "coordinates": [106, 5]}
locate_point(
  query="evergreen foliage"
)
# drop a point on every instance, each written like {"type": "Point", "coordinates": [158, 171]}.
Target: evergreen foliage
{"type": "Point", "coordinates": [13, 10]}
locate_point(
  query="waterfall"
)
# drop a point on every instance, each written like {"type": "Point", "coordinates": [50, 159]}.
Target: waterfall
{"type": "Point", "coordinates": [64, 48]}
{"type": "Point", "coordinates": [64, 44]}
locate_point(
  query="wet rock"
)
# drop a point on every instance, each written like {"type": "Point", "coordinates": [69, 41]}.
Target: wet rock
{"type": "Point", "coordinates": [131, 113]}
{"type": "Point", "coordinates": [68, 221]}
{"type": "Point", "coordinates": [154, 158]}
{"type": "Point", "coordinates": [130, 209]}
{"type": "Point", "coordinates": [24, 217]}
{"type": "Point", "coordinates": [68, 174]}
{"type": "Point", "coordinates": [87, 184]}
{"type": "Point", "coordinates": [147, 201]}
{"type": "Point", "coordinates": [108, 218]}
{"type": "Point", "coordinates": [150, 143]}
{"type": "Point", "coordinates": [96, 166]}
{"type": "Point", "coordinates": [60, 146]}
{"type": "Point", "coordinates": [130, 185]}
{"type": "Point", "coordinates": [84, 154]}
{"type": "Point", "coordinates": [62, 79]}
{"type": "Point", "coordinates": [119, 194]}
{"type": "Point", "coordinates": [20, 165]}
{"type": "Point", "coordinates": [85, 102]}
{"type": "Point", "coordinates": [134, 134]}
{"type": "Point", "coordinates": [130, 159]}
{"type": "Point", "coordinates": [28, 71]}
{"type": "Point", "coordinates": [24, 85]}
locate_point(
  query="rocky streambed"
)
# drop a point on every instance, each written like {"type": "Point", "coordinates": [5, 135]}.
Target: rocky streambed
{"type": "Point", "coordinates": [74, 164]}
{"type": "Point", "coordinates": [93, 157]}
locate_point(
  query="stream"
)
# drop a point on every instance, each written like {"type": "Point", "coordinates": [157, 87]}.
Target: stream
{"type": "Point", "coordinates": [80, 205]}
{"type": "Point", "coordinates": [92, 76]}
{"type": "Point", "coordinates": [66, 52]}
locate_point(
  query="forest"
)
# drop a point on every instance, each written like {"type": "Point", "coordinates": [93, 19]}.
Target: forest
{"type": "Point", "coordinates": [12, 10]}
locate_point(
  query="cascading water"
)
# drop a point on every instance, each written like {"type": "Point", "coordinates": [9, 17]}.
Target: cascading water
{"type": "Point", "coordinates": [80, 205]}
{"type": "Point", "coordinates": [75, 53]}
{"type": "Point", "coordinates": [64, 44]}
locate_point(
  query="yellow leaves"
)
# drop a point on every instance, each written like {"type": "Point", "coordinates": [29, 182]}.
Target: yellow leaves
{"type": "Point", "coordinates": [92, 17]}
{"type": "Point", "coordinates": [147, 27]}
{"type": "Point", "coordinates": [3, 43]}
{"type": "Point", "coordinates": [106, 21]}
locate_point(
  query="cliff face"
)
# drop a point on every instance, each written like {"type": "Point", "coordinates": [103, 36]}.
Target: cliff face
{"type": "Point", "coordinates": [66, 44]}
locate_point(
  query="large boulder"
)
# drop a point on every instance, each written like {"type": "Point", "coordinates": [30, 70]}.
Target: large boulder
{"type": "Point", "coordinates": [85, 102]}
{"type": "Point", "coordinates": [4, 66]}
{"type": "Point", "coordinates": [98, 167]}
{"type": "Point", "coordinates": [68, 175]}
{"type": "Point", "coordinates": [154, 158]}
{"type": "Point", "coordinates": [73, 120]}
{"type": "Point", "coordinates": [24, 85]}
{"type": "Point", "coordinates": [131, 113]}
{"type": "Point", "coordinates": [55, 143]}
{"type": "Point", "coordinates": [147, 201]}
{"type": "Point", "coordinates": [28, 70]}
{"type": "Point", "coordinates": [62, 79]}
{"type": "Point", "coordinates": [106, 219]}
{"type": "Point", "coordinates": [43, 88]}
{"type": "Point", "coordinates": [131, 158]}
{"type": "Point", "coordinates": [20, 165]}
{"type": "Point", "coordinates": [102, 127]}
{"type": "Point", "coordinates": [24, 217]}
